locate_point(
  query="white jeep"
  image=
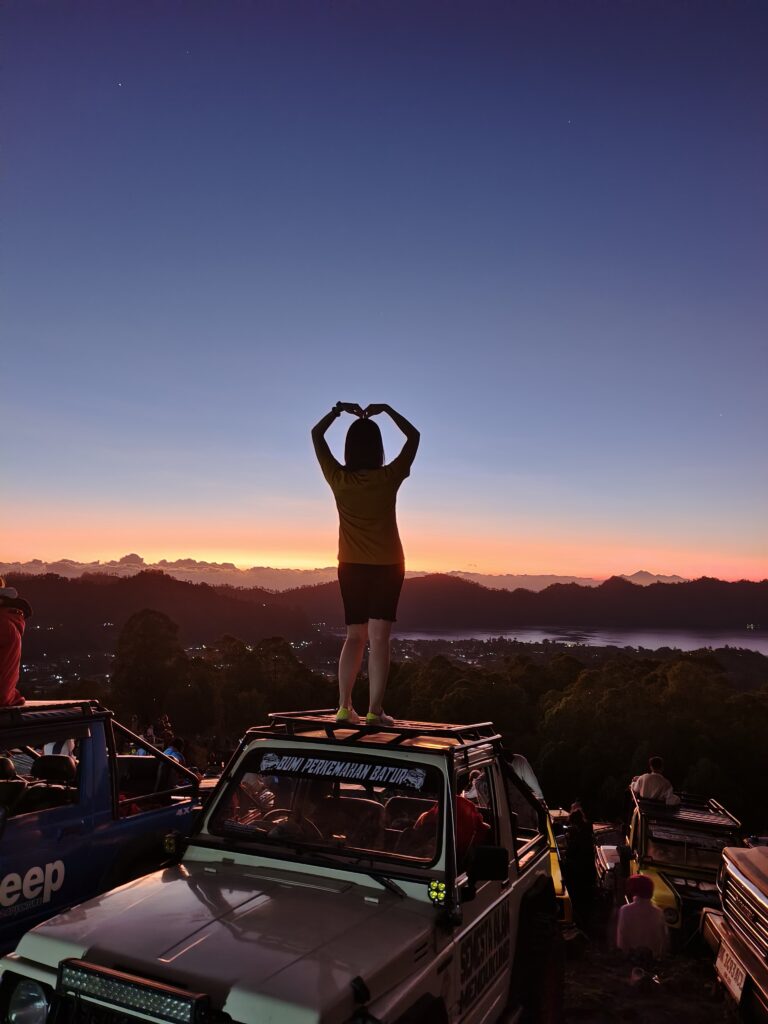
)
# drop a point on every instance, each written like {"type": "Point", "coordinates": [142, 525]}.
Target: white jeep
{"type": "Point", "coordinates": [339, 874]}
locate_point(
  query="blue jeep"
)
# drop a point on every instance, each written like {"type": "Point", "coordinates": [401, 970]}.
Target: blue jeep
{"type": "Point", "coordinates": [77, 815]}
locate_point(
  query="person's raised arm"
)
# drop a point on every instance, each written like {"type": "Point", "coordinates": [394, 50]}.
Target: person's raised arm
{"type": "Point", "coordinates": [322, 451]}
{"type": "Point", "coordinates": [412, 436]}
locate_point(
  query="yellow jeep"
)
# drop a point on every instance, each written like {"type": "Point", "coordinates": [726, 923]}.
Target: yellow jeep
{"type": "Point", "coordinates": [680, 848]}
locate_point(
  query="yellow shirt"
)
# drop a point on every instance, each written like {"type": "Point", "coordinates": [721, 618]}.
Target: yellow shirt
{"type": "Point", "coordinates": [366, 503]}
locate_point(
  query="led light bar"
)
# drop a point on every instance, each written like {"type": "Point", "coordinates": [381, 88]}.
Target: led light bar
{"type": "Point", "coordinates": [175, 1005]}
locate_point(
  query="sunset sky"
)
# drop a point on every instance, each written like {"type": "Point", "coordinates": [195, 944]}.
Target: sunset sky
{"type": "Point", "coordinates": [539, 230]}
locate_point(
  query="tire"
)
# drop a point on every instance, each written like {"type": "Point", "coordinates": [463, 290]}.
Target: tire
{"type": "Point", "coordinates": [538, 972]}
{"type": "Point", "coordinates": [426, 1010]}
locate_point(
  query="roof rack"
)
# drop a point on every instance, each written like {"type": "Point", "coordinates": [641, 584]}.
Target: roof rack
{"type": "Point", "coordinates": [40, 711]}
{"type": "Point", "coordinates": [692, 810]}
{"type": "Point", "coordinates": [298, 724]}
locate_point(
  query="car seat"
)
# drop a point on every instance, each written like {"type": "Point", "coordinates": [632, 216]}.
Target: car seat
{"type": "Point", "coordinates": [402, 811]}
{"type": "Point", "coordinates": [55, 783]}
{"type": "Point", "coordinates": [358, 819]}
{"type": "Point", "coordinates": [12, 788]}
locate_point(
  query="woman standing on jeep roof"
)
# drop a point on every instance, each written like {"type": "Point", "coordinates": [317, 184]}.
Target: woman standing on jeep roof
{"type": "Point", "coordinates": [371, 562]}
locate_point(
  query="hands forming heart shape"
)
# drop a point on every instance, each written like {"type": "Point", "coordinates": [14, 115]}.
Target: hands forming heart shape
{"type": "Point", "coordinates": [357, 410]}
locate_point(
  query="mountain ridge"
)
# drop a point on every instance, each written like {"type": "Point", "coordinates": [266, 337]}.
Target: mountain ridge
{"type": "Point", "coordinates": [87, 613]}
{"type": "Point", "coordinates": [281, 579]}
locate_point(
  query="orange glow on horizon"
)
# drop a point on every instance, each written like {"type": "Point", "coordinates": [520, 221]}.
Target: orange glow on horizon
{"type": "Point", "coordinates": [489, 555]}
{"type": "Point", "coordinates": [305, 538]}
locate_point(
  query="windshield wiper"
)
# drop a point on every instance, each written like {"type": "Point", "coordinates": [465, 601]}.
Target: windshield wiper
{"type": "Point", "coordinates": [377, 876]}
{"type": "Point", "coordinates": [317, 851]}
{"type": "Point", "coordinates": [388, 883]}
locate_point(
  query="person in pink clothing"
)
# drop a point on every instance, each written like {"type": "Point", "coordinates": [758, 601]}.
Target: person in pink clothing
{"type": "Point", "coordinates": [641, 925]}
{"type": "Point", "coordinates": [14, 612]}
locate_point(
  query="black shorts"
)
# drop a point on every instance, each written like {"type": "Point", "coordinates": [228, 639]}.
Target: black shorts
{"type": "Point", "coordinates": [370, 591]}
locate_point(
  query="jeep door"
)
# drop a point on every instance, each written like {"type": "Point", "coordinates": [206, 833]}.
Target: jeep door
{"type": "Point", "coordinates": [46, 856]}
{"type": "Point", "coordinates": [484, 940]}
{"type": "Point", "coordinates": [141, 799]}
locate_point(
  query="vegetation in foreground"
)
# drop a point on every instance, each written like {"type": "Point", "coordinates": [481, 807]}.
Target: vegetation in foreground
{"type": "Point", "coordinates": [587, 728]}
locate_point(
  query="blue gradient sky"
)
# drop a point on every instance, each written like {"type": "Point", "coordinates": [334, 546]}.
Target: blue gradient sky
{"type": "Point", "coordinates": [539, 230]}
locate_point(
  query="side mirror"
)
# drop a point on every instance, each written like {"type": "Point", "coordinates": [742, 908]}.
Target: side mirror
{"type": "Point", "coordinates": [3, 820]}
{"type": "Point", "coordinates": [489, 864]}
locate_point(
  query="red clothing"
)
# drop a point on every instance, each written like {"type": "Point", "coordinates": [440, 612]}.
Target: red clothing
{"type": "Point", "coordinates": [470, 826]}
{"type": "Point", "coordinates": [11, 631]}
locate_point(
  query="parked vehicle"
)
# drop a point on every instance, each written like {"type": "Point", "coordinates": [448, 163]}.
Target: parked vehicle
{"type": "Point", "coordinates": [680, 847]}
{"type": "Point", "coordinates": [339, 874]}
{"type": "Point", "coordinates": [77, 816]}
{"type": "Point", "coordinates": [738, 932]}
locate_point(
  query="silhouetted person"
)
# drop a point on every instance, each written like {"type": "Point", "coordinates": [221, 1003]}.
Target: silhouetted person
{"type": "Point", "coordinates": [579, 866]}
{"type": "Point", "coordinates": [14, 612]}
{"type": "Point", "coordinates": [371, 561]}
{"type": "Point", "coordinates": [653, 785]}
{"type": "Point", "coordinates": [641, 925]}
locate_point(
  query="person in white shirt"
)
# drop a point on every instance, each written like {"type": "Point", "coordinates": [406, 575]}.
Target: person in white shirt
{"type": "Point", "coordinates": [641, 925]}
{"type": "Point", "coordinates": [653, 785]}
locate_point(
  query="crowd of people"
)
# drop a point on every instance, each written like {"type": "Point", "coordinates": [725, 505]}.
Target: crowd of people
{"type": "Point", "coordinates": [636, 926]}
{"type": "Point", "coordinates": [161, 736]}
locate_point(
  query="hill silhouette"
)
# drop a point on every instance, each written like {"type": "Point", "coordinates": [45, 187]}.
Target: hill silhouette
{"type": "Point", "coordinates": [440, 602]}
{"type": "Point", "coordinates": [85, 613]}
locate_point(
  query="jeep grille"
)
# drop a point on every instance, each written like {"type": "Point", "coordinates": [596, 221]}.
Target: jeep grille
{"type": "Point", "coordinates": [747, 911]}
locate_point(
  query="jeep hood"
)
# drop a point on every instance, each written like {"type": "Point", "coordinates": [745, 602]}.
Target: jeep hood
{"type": "Point", "coordinates": [256, 940]}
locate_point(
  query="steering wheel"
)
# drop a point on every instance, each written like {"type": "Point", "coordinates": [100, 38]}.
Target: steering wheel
{"type": "Point", "coordinates": [285, 812]}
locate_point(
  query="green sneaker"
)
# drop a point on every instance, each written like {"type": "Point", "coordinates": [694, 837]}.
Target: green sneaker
{"type": "Point", "coordinates": [348, 715]}
{"type": "Point", "coordinates": [380, 719]}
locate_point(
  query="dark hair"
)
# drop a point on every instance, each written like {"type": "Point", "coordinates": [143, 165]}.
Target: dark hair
{"type": "Point", "coordinates": [363, 448]}
{"type": "Point", "coordinates": [656, 764]}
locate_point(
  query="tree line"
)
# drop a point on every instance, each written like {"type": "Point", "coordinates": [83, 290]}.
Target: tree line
{"type": "Point", "coordinates": [586, 728]}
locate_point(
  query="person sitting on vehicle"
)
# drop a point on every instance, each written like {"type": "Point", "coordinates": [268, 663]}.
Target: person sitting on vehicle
{"type": "Point", "coordinates": [653, 785]}
{"type": "Point", "coordinates": [641, 925]}
{"type": "Point", "coordinates": [14, 612]}
{"type": "Point", "coordinates": [471, 828]}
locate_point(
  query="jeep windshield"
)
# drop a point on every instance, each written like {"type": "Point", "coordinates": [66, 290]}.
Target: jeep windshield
{"type": "Point", "coordinates": [361, 809]}
{"type": "Point", "coordinates": [674, 846]}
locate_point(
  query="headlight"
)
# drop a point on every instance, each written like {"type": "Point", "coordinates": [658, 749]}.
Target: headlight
{"type": "Point", "coordinates": [28, 1004]}
{"type": "Point", "coordinates": [670, 915]}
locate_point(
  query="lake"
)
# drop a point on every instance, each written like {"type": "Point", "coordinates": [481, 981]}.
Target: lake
{"type": "Point", "coordinates": [650, 639]}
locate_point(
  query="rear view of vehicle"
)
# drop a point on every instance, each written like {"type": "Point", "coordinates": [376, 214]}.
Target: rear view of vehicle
{"type": "Point", "coordinates": [680, 847]}
{"type": "Point", "coordinates": [77, 815]}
